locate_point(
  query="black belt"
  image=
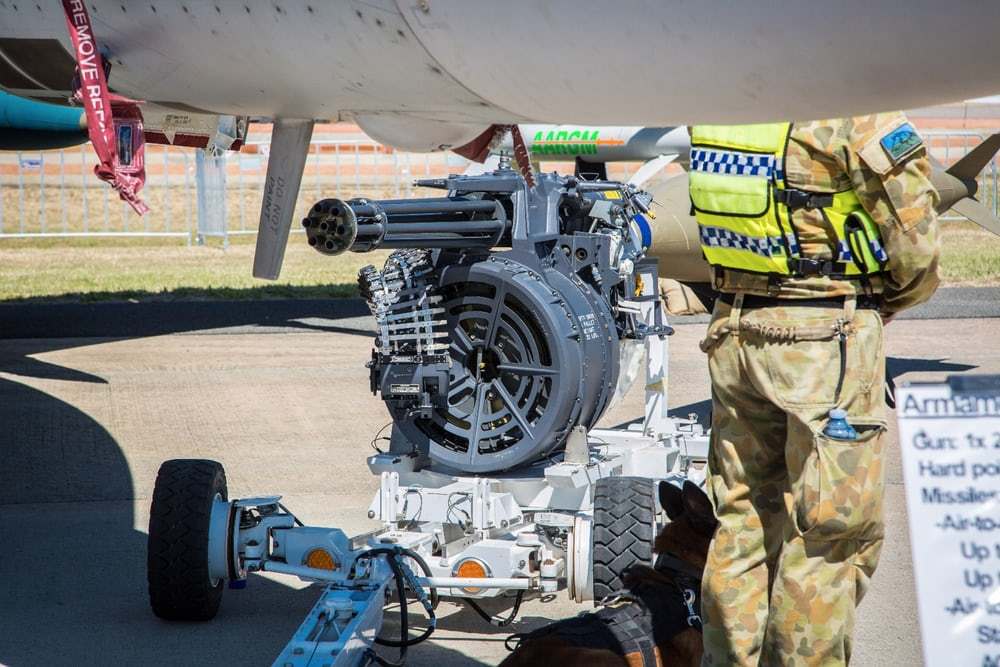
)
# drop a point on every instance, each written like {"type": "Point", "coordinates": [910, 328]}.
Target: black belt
{"type": "Point", "coordinates": [755, 301]}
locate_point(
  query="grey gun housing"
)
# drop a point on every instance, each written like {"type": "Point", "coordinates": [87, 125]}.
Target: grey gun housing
{"type": "Point", "coordinates": [500, 315]}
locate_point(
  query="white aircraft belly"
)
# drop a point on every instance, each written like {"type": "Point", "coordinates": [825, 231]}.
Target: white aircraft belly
{"type": "Point", "coordinates": [460, 64]}
{"type": "Point", "coordinates": [290, 58]}
{"type": "Point", "coordinates": [674, 61]}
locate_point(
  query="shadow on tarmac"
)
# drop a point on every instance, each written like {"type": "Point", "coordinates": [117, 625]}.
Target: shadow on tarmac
{"type": "Point", "coordinates": [73, 578]}
{"type": "Point", "coordinates": [265, 291]}
{"type": "Point", "coordinates": [73, 571]}
{"type": "Point", "coordinates": [896, 366]}
{"type": "Point", "coordinates": [45, 327]}
{"type": "Point", "coordinates": [73, 566]}
{"type": "Point", "coordinates": [122, 319]}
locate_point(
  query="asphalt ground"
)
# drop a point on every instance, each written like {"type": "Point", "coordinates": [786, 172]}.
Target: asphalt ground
{"type": "Point", "coordinates": [94, 398]}
{"type": "Point", "coordinates": [149, 318]}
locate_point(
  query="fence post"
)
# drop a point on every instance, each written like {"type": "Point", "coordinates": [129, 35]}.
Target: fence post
{"type": "Point", "coordinates": [187, 195]}
{"type": "Point", "coordinates": [86, 190]}
{"type": "Point", "coordinates": [41, 192]}
{"type": "Point", "coordinates": [242, 193]}
{"type": "Point", "coordinates": [210, 176]}
{"type": "Point", "coordinates": [20, 194]}
{"type": "Point", "coordinates": [62, 190]}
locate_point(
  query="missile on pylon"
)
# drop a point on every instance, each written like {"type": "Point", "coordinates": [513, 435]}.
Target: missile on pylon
{"type": "Point", "coordinates": [597, 145]}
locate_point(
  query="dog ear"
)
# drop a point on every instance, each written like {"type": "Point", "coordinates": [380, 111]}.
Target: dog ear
{"type": "Point", "coordinates": [671, 500]}
{"type": "Point", "coordinates": [697, 504]}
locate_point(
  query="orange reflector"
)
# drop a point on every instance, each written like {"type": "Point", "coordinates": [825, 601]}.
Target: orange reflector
{"type": "Point", "coordinates": [471, 569]}
{"type": "Point", "coordinates": [320, 559]}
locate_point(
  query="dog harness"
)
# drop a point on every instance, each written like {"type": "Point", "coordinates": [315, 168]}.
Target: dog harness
{"type": "Point", "coordinates": [634, 623]}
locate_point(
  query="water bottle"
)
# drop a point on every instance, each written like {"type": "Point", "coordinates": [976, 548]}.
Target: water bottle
{"type": "Point", "coordinates": [838, 428]}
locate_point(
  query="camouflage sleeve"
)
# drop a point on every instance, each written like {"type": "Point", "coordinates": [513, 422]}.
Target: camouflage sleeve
{"type": "Point", "coordinates": [889, 169]}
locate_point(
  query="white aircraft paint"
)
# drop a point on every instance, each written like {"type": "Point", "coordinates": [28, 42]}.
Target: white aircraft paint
{"type": "Point", "coordinates": [432, 73]}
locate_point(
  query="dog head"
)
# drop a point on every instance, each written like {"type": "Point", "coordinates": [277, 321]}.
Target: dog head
{"type": "Point", "coordinates": [692, 523]}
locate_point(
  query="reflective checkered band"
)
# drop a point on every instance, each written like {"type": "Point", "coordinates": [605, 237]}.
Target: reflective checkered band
{"type": "Point", "coordinates": [725, 238]}
{"type": "Point", "coordinates": [734, 163]}
{"type": "Point", "coordinates": [878, 252]}
{"type": "Point", "coordinates": [844, 253]}
{"type": "Point", "coordinates": [793, 246]}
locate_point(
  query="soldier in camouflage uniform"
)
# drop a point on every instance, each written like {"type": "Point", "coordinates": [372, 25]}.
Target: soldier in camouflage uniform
{"type": "Point", "coordinates": [800, 513]}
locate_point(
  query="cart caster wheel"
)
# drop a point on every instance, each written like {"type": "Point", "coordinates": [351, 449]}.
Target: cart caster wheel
{"type": "Point", "coordinates": [623, 532]}
{"type": "Point", "coordinates": [178, 567]}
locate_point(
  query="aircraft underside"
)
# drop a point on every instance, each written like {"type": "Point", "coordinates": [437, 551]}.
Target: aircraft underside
{"type": "Point", "coordinates": [435, 73]}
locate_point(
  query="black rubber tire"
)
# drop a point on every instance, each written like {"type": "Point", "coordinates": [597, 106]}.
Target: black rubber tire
{"type": "Point", "coordinates": [623, 530]}
{"type": "Point", "coordinates": [177, 556]}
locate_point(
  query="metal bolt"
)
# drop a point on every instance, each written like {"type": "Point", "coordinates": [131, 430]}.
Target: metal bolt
{"type": "Point", "coordinates": [521, 565]}
{"type": "Point", "coordinates": [371, 514]}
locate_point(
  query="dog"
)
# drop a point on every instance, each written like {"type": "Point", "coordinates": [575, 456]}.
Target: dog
{"type": "Point", "coordinates": [656, 621]}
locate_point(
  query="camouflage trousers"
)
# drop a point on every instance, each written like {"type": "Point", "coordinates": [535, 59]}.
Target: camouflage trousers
{"type": "Point", "coordinates": [800, 514]}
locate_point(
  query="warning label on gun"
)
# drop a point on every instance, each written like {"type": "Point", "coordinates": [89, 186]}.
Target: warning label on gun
{"type": "Point", "coordinates": [950, 440]}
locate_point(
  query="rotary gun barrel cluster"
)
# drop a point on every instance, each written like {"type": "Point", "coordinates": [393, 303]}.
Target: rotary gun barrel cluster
{"type": "Point", "coordinates": [500, 314]}
{"type": "Point", "coordinates": [334, 226]}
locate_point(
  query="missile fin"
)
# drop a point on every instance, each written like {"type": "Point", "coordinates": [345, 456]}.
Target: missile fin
{"type": "Point", "coordinates": [975, 211]}
{"type": "Point", "coordinates": [650, 168]}
{"type": "Point", "coordinates": [968, 168]}
{"type": "Point", "coordinates": [490, 164]}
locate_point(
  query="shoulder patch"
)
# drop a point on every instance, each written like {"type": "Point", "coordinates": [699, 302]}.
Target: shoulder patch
{"type": "Point", "coordinates": [901, 143]}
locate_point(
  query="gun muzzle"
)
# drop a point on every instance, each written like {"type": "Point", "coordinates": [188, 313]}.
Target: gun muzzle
{"type": "Point", "coordinates": [334, 226]}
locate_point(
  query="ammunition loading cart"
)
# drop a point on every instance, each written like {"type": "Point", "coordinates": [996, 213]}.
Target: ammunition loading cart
{"type": "Point", "coordinates": [508, 320]}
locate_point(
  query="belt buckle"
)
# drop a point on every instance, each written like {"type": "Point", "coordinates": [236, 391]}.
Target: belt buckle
{"type": "Point", "coordinates": [798, 199]}
{"type": "Point", "coordinates": [807, 266]}
{"type": "Point", "coordinates": [773, 285]}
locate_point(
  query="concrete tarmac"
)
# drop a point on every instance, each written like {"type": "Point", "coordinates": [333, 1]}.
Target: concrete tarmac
{"type": "Point", "coordinates": [87, 421]}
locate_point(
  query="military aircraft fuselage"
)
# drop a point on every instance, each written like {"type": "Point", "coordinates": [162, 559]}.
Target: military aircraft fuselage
{"type": "Point", "coordinates": [424, 74]}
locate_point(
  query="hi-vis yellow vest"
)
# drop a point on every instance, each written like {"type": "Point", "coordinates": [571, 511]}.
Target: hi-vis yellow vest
{"type": "Point", "coordinates": [743, 205]}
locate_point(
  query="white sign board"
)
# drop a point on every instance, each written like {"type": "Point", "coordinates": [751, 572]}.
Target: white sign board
{"type": "Point", "coordinates": [949, 434]}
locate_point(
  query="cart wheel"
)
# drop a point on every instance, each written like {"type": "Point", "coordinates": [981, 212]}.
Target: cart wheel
{"type": "Point", "coordinates": [623, 533]}
{"type": "Point", "coordinates": [177, 565]}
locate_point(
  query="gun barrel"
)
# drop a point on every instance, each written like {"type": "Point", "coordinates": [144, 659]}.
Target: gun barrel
{"type": "Point", "coordinates": [334, 226]}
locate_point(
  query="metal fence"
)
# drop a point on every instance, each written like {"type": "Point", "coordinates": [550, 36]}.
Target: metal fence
{"type": "Point", "coordinates": [55, 193]}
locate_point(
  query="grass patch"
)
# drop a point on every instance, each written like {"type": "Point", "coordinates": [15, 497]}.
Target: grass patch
{"type": "Point", "coordinates": [84, 270]}
{"type": "Point", "coordinates": [124, 271]}
{"type": "Point", "coordinates": [970, 256]}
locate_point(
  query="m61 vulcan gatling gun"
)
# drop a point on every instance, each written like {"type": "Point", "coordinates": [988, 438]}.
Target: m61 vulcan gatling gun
{"type": "Point", "coordinates": [500, 316]}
